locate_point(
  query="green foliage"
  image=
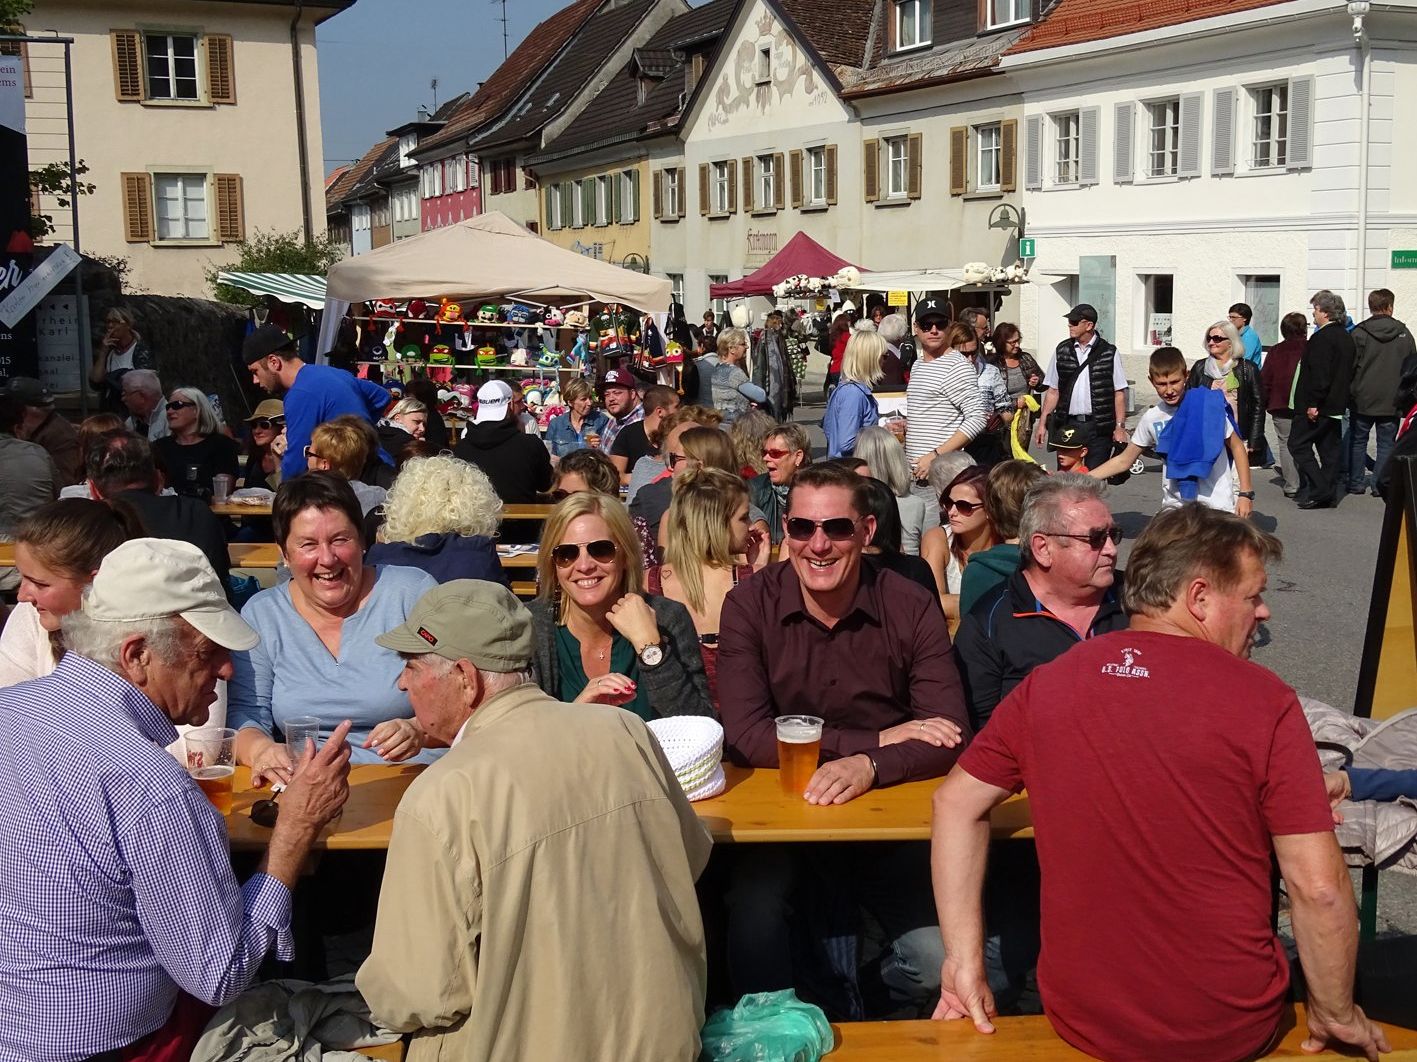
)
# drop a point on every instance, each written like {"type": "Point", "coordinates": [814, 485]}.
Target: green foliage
{"type": "Point", "coordinates": [273, 252]}
{"type": "Point", "coordinates": [11, 11]}
{"type": "Point", "coordinates": [53, 179]}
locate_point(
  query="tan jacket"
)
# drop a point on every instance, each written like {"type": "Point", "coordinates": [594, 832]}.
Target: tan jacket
{"type": "Point", "coordinates": [539, 901]}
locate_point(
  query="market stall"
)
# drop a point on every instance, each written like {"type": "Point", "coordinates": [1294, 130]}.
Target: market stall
{"type": "Point", "coordinates": [802, 256]}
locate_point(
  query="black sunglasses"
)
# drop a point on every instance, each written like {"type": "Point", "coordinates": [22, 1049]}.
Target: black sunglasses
{"type": "Point", "coordinates": [965, 508]}
{"type": "Point", "coordinates": [264, 423]}
{"type": "Point", "coordinates": [674, 460]}
{"type": "Point", "coordinates": [838, 528]}
{"type": "Point", "coordinates": [1217, 339]}
{"type": "Point", "coordinates": [1096, 538]}
{"type": "Point", "coordinates": [181, 405]}
{"type": "Point", "coordinates": [567, 553]}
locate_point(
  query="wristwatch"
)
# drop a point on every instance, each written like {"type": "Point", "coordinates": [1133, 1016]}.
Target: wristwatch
{"type": "Point", "coordinates": [651, 655]}
{"type": "Point", "coordinates": [1246, 494]}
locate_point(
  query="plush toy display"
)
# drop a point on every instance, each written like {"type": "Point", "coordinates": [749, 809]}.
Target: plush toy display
{"type": "Point", "coordinates": [441, 354]}
{"type": "Point", "coordinates": [577, 319]}
{"type": "Point", "coordinates": [553, 318]}
{"type": "Point", "coordinates": [487, 314]}
{"type": "Point", "coordinates": [519, 314]}
{"type": "Point", "coordinates": [450, 312]}
{"type": "Point", "coordinates": [486, 355]}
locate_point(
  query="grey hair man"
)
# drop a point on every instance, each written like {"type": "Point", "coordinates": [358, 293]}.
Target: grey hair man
{"type": "Point", "coordinates": [147, 408]}
{"type": "Point", "coordinates": [1154, 797]}
{"type": "Point", "coordinates": [1320, 400]}
{"type": "Point", "coordinates": [136, 875]}
{"type": "Point", "coordinates": [504, 851]}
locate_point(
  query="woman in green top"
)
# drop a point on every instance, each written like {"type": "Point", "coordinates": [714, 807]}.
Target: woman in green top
{"type": "Point", "coordinates": [599, 638]}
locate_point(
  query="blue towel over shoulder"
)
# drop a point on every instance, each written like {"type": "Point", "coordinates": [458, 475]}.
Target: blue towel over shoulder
{"type": "Point", "coordinates": [1194, 438]}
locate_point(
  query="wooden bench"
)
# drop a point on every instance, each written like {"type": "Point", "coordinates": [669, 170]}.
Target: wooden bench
{"type": "Point", "coordinates": [388, 1052]}
{"type": "Point", "coordinates": [1032, 1039]}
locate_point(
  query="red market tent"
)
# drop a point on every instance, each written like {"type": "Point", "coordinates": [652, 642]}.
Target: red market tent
{"type": "Point", "coordinates": [802, 255]}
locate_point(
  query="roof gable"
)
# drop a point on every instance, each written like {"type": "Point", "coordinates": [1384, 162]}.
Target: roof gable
{"type": "Point", "coordinates": [355, 175]}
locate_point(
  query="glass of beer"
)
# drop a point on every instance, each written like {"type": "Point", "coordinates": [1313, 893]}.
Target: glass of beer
{"type": "Point", "coordinates": [799, 745]}
{"type": "Point", "coordinates": [211, 761]}
{"type": "Point", "coordinates": [592, 440]}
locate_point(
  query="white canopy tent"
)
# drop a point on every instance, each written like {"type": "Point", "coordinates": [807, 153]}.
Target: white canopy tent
{"type": "Point", "coordinates": [921, 281]}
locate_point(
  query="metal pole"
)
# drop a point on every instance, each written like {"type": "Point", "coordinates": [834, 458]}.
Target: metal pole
{"type": "Point", "coordinates": [85, 340]}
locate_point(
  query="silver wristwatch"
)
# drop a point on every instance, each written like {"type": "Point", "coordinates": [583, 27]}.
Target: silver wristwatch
{"type": "Point", "coordinates": [651, 655]}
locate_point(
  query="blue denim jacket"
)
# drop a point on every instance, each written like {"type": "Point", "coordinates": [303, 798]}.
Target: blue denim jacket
{"type": "Point", "coordinates": [561, 438]}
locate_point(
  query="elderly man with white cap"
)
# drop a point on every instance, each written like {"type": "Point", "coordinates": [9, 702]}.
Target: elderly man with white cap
{"type": "Point", "coordinates": [538, 900]}
{"type": "Point", "coordinates": [121, 923]}
{"type": "Point", "coordinates": [518, 464]}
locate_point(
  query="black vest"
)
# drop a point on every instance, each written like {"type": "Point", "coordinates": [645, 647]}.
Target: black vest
{"type": "Point", "coordinates": [1099, 373]}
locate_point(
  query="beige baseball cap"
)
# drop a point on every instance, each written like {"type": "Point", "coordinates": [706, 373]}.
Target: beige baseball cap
{"type": "Point", "coordinates": [153, 578]}
{"type": "Point", "coordinates": [467, 619]}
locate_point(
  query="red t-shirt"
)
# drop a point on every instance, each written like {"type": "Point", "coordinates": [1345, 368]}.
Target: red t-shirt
{"type": "Point", "coordinates": [1158, 767]}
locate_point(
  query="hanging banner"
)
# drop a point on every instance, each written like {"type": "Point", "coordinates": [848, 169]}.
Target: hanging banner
{"type": "Point", "coordinates": [18, 354]}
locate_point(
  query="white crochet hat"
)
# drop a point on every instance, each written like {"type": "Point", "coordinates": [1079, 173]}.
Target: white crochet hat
{"type": "Point", "coordinates": [693, 744]}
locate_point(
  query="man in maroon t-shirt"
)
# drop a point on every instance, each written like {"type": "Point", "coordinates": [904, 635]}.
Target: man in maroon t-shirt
{"type": "Point", "coordinates": [1162, 769]}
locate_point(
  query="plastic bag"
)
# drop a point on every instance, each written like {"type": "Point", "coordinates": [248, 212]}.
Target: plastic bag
{"type": "Point", "coordinates": [767, 1027]}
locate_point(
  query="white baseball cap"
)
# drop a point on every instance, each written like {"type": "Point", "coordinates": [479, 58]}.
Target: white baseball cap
{"type": "Point", "coordinates": [494, 400]}
{"type": "Point", "coordinates": [154, 578]}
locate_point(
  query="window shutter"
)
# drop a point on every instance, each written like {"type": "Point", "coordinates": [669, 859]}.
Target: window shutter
{"type": "Point", "coordinates": [831, 174]}
{"type": "Point", "coordinates": [703, 188]}
{"type": "Point", "coordinates": [1033, 148]}
{"type": "Point", "coordinates": [551, 193]}
{"type": "Point", "coordinates": [588, 202]}
{"type": "Point", "coordinates": [566, 191]}
{"type": "Point", "coordinates": [794, 169]}
{"type": "Point", "coordinates": [1008, 155]}
{"type": "Point", "coordinates": [683, 193]}
{"type": "Point", "coordinates": [1088, 120]}
{"type": "Point", "coordinates": [1122, 160]}
{"type": "Point", "coordinates": [221, 68]}
{"type": "Point", "coordinates": [914, 161]}
{"type": "Point", "coordinates": [1301, 123]}
{"type": "Point", "coordinates": [127, 66]}
{"type": "Point", "coordinates": [779, 180]}
{"type": "Point", "coordinates": [137, 207]}
{"type": "Point", "coordinates": [750, 202]}
{"type": "Point", "coordinates": [615, 215]}
{"type": "Point", "coordinates": [732, 187]}
{"type": "Point", "coordinates": [1189, 164]}
{"type": "Point", "coordinates": [959, 160]}
{"type": "Point", "coordinates": [871, 169]}
{"type": "Point", "coordinates": [230, 208]}
{"type": "Point", "coordinates": [634, 196]}
{"type": "Point", "coordinates": [1222, 142]}
{"type": "Point", "coordinates": [658, 193]}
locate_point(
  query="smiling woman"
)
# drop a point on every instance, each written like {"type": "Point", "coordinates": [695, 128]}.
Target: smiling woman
{"type": "Point", "coordinates": [317, 654]}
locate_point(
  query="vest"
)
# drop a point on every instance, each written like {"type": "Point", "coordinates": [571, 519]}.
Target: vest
{"type": "Point", "coordinates": [1099, 366]}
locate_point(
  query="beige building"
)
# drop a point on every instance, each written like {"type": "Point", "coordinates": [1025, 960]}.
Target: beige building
{"type": "Point", "coordinates": [199, 121]}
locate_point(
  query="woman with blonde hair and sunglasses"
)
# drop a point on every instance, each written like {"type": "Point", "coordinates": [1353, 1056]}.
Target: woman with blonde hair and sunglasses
{"type": "Point", "coordinates": [196, 448]}
{"type": "Point", "coordinates": [599, 638]}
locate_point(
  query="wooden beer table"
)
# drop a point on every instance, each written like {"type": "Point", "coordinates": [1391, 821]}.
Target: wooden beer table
{"type": "Point", "coordinates": [232, 508]}
{"type": "Point", "coordinates": [751, 810]}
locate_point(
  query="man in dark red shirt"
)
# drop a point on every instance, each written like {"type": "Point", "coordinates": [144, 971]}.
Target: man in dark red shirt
{"type": "Point", "coordinates": [828, 634]}
{"type": "Point", "coordinates": [1163, 769]}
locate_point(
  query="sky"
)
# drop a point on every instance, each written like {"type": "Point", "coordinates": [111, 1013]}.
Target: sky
{"type": "Point", "coordinates": [378, 57]}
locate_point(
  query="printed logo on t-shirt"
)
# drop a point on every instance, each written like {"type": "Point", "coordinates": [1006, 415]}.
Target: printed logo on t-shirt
{"type": "Point", "coordinates": [1128, 668]}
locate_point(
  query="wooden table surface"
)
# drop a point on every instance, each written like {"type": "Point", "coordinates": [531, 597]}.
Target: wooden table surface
{"type": "Point", "coordinates": [7, 554]}
{"type": "Point", "coordinates": [753, 809]}
{"type": "Point", "coordinates": [231, 508]}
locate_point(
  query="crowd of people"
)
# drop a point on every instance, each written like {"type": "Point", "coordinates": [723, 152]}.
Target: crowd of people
{"type": "Point", "coordinates": [948, 607]}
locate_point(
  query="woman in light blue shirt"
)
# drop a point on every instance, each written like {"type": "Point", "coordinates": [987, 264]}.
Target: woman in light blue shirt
{"type": "Point", "coordinates": [568, 431]}
{"type": "Point", "coordinates": [317, 654]}
{"type": "Point", "coordinates": [852, 406]}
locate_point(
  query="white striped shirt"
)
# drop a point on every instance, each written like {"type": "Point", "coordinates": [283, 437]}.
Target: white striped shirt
{"type": "Point", "coordinates": [942, 398]}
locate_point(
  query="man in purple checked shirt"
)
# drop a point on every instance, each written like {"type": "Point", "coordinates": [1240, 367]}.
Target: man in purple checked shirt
{"type": "Point", "coordinates": [121, 923]}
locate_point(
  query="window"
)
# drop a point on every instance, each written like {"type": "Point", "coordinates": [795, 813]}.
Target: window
{"type": "Point", "coordinates": [718, 189]}
{"type": "Point", "coordinates": [555, 213]}
{"type": "Point", "coordinates": [181, 200]}
{"type": "Point", "coordinates": [1065, 144]}
{"type": "Point", "coordinates": [720, 306]}
{"type": "Point", "coordinates": [602, 201]}
{"type": "Point", "coordinates": [1271, 133]}
{"type": "Point", "coordinates": [762, 71]}
{"type": "Point", "coordinates": [816, 176]}
{"type": "Point", "coordinates": [897, 167]}
{"type": "Point", "coordinates": [676, 287]}
{"type": "Point", "coordinates": [171, 66]}
{"type": "Point", "coordinates": [986, 157]}
{"type": "Point", "coordinates": [1155, 319]}
{"type": "Point", "coordinates": [629, 198]}
{"type": "Point", "coordinates": [765, 194]}
{"type": "Point", "coordinates": [407, 143]}
{"type": "Point", "coordinates": [1262, 294]}
{"type": "Point", "coordinates": [1163, 157]}
{"type": "Point", "coordinates": [578, 198]}
{"type": "Point", "coordinates": [912, 25]}
{"type": "Point", "coordinates": [472, 173]}
{"type": "Point", "coordinates": [1006, 12]}
{"type": "Point", "coordinates": [459, 165]}
{"type": "Point", "coordinates": [672, 192]}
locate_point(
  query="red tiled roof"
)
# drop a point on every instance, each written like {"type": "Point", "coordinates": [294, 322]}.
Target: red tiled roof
{"type": "Point", "coordinates": [356, 173]}
{"type": "Point", "coordinates": [837, 29]}
{"type": "Point", "coordinates": [1080, 21]}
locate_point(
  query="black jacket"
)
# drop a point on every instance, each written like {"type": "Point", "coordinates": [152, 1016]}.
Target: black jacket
{"type": "Point", "coordinates": [1325, 372]}
{"type": "Point", "coordinates": [1005, 636]}
{"type": "Point", "coordinates": [1251, 398]}
{"type": "Point", "coordinates": [186, 520]}
{"type": "Point", "coordinates": [1380, 346]}
{"type": "Point", "coordinates": [516, 463]}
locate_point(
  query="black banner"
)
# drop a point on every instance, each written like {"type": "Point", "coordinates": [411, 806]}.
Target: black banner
{"type": "Point", "coordinates": [19, 353]}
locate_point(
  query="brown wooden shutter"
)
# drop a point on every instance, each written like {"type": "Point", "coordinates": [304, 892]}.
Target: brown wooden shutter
{"type": "Point", "coordinates": [914, 162]}
{"type": "Point", "coordinates": [750, 202]}
{"type": "Point", "coordinates": [732, 187]}
{"type": "Point", "coordinates": [230, 208]}
{"type": "Point", "coordinates": [794, 168]}
{"type": "Point", "coordinates": [127, 65]}
{"type": "Point", "coordinates": [871, 169]}
{"type": "Point", "coordinates": [1008, 155]}
{"type": "Point", "coordinates": [658, 194]}
{"type": "Point", "coordinates": [703, 188]}
{"type": "Point", "coordinates": [682, 203]}
{"type": "Point", "coordinates": [137, 207]}
{"type": "Point", "coordinates": [831, 174]}
{"type": "Point", "coordinates": [959, 160]}
{"type": "Point", "coordinates": [779, 181]}
{"type": "Point", "coordinates": [221, 68]}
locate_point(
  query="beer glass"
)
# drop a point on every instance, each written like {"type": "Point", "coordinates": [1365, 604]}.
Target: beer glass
{"type": "Point", "coordinates": [299, 731]}
{"type": "Point", "coordinates": [211, 761]}
{"type": "Point", "coordinates": [799, 744]}
{"type": "Point", "coordinates": [221, 487]}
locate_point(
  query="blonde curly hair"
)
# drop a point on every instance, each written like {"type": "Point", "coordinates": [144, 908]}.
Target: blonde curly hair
{"type": "Point", "coordinates": [440, 495]}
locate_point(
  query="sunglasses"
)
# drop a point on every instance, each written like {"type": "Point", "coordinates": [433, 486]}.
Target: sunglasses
{"type": "Point", "coordinates": [838, 528]}
{"type": "Point", "coordinates": [1096, 538]}
{"type": "Point", "coordinates": [1217, 339]}
{"type": "Point", "coordinates": [776, 455]}
{"type": "Point", "coordinates": [263, 423]}
{"type": "Point", "coordinates": [181, 405]}
{"type": "Point", "coordinates": [933, 326]}
{"type": "Point", "coordinates": [567, 553]}
{"type": "Point", "coordinates": [675, 459]}
{"type": "Point", "coordinates": [965, 508]}
{"type": "Point", "coordinates": [309, 452]}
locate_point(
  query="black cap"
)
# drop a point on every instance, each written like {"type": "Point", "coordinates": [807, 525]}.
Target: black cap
{"type": "Point", "coordinates": [266, 340]}
{"type": "Point", "coordinates": [933, 307]}
{"type": "Point", "coordinates": [30, 392]}
{"type": "Point", "coordinates": [1067, 437]}
{"type": "Point", "coordinates": [1082, 312]}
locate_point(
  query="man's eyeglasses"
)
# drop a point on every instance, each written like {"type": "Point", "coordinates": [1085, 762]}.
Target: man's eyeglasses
{"type": "Point", "coordinates": [263, 423]}
{"type": "Point", "coordinates": [965, 508]}
{"type": "Point", "coordinates": [181, 405]}
{"type": "Point", "coordinates": [601, 550]}
{"type": "Point", "coordinates": [775, 454]}
{"type": "Point", "coordinates": [838, 528]}
{"type": "Point", "coordinates": [1217, 339]}
{"type": "Point", "coordinates": [1096, 538]}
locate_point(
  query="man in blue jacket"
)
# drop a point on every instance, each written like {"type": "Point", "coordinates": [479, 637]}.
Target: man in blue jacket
{"type": "Point", "coordinates": [313, 393]}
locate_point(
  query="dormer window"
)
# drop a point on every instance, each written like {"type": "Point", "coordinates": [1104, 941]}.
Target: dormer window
{"type": "Point", "coordinates": [910, 25]}
{"type": "Point", "coordinates": [1001, 13]}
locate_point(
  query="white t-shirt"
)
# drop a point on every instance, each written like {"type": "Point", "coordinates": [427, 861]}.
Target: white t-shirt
{"type": "Point", "coordinates": [1080, 401]}
{"type": "Point", "coordinates": [1217, 490]}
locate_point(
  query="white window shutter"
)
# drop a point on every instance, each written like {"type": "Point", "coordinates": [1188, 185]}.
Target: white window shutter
{"type": "Point", "coordinates": [1190, 161]}
{"type": "Point", "coordinates": [1222, 142]}
{"type": "Point", "coordinates": [1301, 122]}
{"type": "Point", "coordinates": [1122, 161]}
{"type": "Point", "coordinates": [1088, 120]}
{"type": "Point", "coordinates": [1033, 152]}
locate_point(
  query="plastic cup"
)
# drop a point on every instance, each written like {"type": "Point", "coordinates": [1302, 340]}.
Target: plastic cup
{"type": "Point", "coordinates": [799, 746]}
{"type": "Point", "coordinates": [300, 731]}
{"type": "Point", "coordinates": [211, 761]}
{"type": "Point", "coordinates": [221, 487]}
